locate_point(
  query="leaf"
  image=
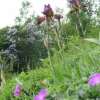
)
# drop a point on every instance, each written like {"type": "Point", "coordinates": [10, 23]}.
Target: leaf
{"type": "Point", "coordinates": [93, 40]}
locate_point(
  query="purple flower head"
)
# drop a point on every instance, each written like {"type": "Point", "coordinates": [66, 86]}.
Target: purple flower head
{"type": "Point", "coordinates": [41, 95]}
{"type": "Point", "coordinates": [48, 12]}
{"type": "Point", "coordinates": [74, 2]}
{"type": "Point", "coordinates": [17, 90]}
{"type": "Point", "coordinates": [58, 16]}
{"type": "Point", "coordinates": [40, 19]}
{"type": "Point", "coordinates": [94, 79]}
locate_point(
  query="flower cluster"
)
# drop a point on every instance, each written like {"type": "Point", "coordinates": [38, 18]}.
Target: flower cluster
{"type": "Point", "coordinates": [42, 94]}
{"type": "Point", "coordinates": [48, 15]}
{"type": "Point", "coordinates": [93, 80]}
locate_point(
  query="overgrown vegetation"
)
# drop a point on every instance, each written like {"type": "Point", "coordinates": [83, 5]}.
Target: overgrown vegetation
{"type": "Point", "coordinates": [51, 53]}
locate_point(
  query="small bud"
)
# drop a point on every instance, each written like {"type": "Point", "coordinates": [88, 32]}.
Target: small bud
{"type": "Point", "coordinates": [40, 19]}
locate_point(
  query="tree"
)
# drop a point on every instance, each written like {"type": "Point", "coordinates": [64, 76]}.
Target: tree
{"type": "Point", "coordinates": [24, 13]}
{"type": "Point", "coordinates": [81, 14]}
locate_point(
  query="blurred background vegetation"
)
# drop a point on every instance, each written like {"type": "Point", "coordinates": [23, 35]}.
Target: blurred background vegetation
{"type": "Point", "coordinates": [53, 50]}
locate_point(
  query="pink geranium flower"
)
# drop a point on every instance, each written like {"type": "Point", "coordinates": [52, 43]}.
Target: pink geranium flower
{"type": "Point", "coordinates": [17, 91]}
{"type": "Point", "coordinates": [41, 95]}
{"type": "Point", "coordinates": [94, 79]}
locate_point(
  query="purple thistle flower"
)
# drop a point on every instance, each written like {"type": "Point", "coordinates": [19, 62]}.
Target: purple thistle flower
{"type": "Point", "coordinates": [94, 79]}
{"type": "Point", "coordinates": [48, 12]}
{"type": "Point", "coordinates": [17, 90]}
{"type": "Point", "coordinates": [58, 16]}
{"type": "Point", "coordinates": [41, 95]}
{"type": "Point", "coordinates": [74, 2]}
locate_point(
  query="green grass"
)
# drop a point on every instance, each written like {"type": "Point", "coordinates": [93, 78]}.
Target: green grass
{"type": "Point", "coordinates": [80, 61]}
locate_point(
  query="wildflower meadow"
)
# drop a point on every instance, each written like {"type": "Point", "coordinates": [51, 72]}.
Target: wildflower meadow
{"type": "Point", "coordinates": [52, 55]}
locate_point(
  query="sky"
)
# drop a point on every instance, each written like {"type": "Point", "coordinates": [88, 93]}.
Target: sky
{"type": "Point", "coordinates": [9, 9]}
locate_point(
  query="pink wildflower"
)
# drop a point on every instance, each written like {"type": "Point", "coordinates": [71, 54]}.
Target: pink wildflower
{"type": "Point", "coordinates": [94, 79]}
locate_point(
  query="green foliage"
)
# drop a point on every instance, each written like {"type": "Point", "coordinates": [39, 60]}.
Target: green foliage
{"type": "Point", "coordinates": [24, 13]}
{"type": "Point", "coordinates": [62, 60]}
{"type": "Point", "coordinates": [31, 80]}
{"type": "Point", "coordinates": [80, 62]}
{"type": "Point", "coordinates": [3, 40]}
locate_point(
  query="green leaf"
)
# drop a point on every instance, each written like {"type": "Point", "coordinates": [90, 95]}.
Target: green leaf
{"type": "Point", "coordinates": [93, 40]}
